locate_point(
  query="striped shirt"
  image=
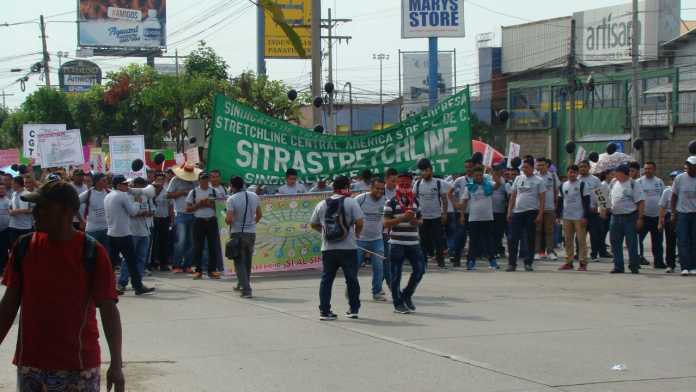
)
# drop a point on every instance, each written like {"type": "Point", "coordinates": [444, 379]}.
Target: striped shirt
{"type": "Point", "coordinates": [403, 233]}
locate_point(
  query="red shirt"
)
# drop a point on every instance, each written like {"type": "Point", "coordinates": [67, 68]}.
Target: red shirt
{"type": "Point", "coordinates": [58, 322]}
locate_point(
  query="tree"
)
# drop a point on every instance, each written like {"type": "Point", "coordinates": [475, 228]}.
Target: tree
{"type": "Point", "coordinates": [47, 106]}
{"type": "Point", "coordinates": [205, 62]}
{"type": "Point", "coordinates": [480, 130]}
{"type": "Point", "coordinates": [267, 96]}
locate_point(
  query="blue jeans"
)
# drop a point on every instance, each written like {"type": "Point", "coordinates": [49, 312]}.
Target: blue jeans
{"type": "Point", "coordinates": [451, 232]}
{"type": "Point", "coordinates": [522, 231]}
{"type": "Point", "coordinates": [183, 247]}
{"type": "Point", "coordinates": [459, 238]}
{"type": "Point", "coordinates": [378, 265]}
{"type": "Point", "coordinates": [141, 246]}
{"type": "Point", "coordinates": [331, 261]}
{"type": "Point", "coordinates": [414, 254]}
{"type": "Point", "coordinates": [686, 240]}
{"type": "Point", "coordinates": [101, 237]}
{"type": "Point", "coordinates": [624, 226]}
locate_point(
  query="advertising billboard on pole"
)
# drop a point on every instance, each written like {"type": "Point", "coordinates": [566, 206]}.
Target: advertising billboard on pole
{"type": "Point", "coordinates": [138, 24]}
{"type": "Point", "coordinates": [415, 80]}
{"type": "Point", "coordinates": [298, 13]}
{"type": "Point", "coordinates": [79, 76]}
{"type": "Point", "coordinates": [426, 18]}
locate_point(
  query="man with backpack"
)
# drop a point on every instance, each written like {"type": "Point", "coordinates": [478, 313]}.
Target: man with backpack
{"type": "Point", "coordinates": [59, 277]}
{"type": "Point", "coordinates": [92, 210]}
{"type": "Point", "coordinates": [403, 217]}
{"type": "Point", "coordinates": [627, 207]}
{"type": "Point", "coordinates": [431, 194]}
{"type": "Point", "coordinates": [243, 213]}
{"type": "Point", "coordinates": [201, 203]}
{"type": "Point", "coordinates": [339, 219]}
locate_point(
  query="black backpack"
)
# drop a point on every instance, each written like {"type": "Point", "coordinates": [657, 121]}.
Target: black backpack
{"type": "Point", "coordinates": [336, 227]}
{"type": "Point", "coordinates": [24, 242]}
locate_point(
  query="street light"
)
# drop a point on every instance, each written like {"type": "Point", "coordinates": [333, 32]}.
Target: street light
{"type": "Point", "coordinates": [381, 57]}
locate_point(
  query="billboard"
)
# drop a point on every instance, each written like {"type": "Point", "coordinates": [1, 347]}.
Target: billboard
{"type": "Point", "coordinates": [425, 18]}
{"type": "Point", "coordinates": [79, 76]}
{"type": "Point", "coordinates": [298, 13]}
{"type": "Point", "coordinates": [138, 24]}
{"type": "Point", "coordinates": [604, 35]}
{"type": "Point", "coordinates": [415, 91]}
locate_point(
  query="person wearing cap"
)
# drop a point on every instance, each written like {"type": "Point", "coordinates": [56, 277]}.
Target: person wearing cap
{"type": "Point", "coordinates": [21, 220]}
{"type": "Point", "coordinates": [291, 187]}
{"type": "Point", "coordinates": [163, 220]}
{"type": "Point", "coordinates": [684, 203]}
{"type": "Point", "coordinates": [627, 217]}
{"type": "Point", "coordinates": [341, 252]}
{"type": "Point", "coordinates": [431, 194]}
{"type": "Point", "coordinates": [665, 224]}
{"type": "Point", "coordinates": [501, 191]}
{"type": "Point", "coordinates": [201, 203]}
{"type": "Point", "coordinates": [653, 188]}
{"type": "Point", "coordinates": [222, 195]}
{"type": "Point", "coordinates": [402, 217]}
{"type": "Point", "coordinates": [140, 224]}
{"type": "Point", "coordinates": [4, 227]}
{"type": "Point", "coordinates": [243, 213]}
{"type": "Point", "coordinates": [543, 240]}
{"type": "Point", "coordinates": [59, 284]}
{"type": "Point", "coordinates": [525, 210]}
{"type": "Point", "coordinates": [119, 207]}
{"type": "Point", "coordinates": [92, 209]}
{"type": "Point", "coordinates": [177, 190]}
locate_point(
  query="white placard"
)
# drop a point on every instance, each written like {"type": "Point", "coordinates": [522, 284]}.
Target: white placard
{"type": "Point", "coordinates": [192, 155]}
{"type": "Point", "coordinates": [180, 159]}
{"type": "Point", "coordinates": [124, 150]}
{"type": "Point", "coordinates": [488, 156]}
{"type": "Point", "coordinates": [30, 137]}
{"type": "Point", "coordinates": [513, 152]}
{"type": "Point", "coordinates": [60, 148]}
{"type": "Point", "coordinates": [602, 196]}
{"type": "Point", "coordinates": [580, 155]}
{"type": "Point", "coordinates": [425, 19]}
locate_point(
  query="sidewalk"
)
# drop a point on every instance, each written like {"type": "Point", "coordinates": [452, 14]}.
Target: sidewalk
{"type": "Point", "coordinates": [473, 331]}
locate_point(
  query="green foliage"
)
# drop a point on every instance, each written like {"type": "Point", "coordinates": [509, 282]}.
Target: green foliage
{"type": "Point", "coordinates": [47, 106]}
{"type": "Point", "coordinates": [266, 96]}
{"type": "Point", "coordinates": [205, 62]}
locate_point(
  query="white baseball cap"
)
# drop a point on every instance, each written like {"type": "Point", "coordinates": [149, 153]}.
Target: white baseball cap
{"type": "Point", "coordinates": [691, 160]}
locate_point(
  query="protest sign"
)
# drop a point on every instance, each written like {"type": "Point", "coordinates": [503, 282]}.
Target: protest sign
{"type": "Point", "coordinates": [9, 157]}
{"type": "Point", "coordinates": [60, 148]}
{"type": "Point", "coordinates": [580, 155]}
{"type": "Point", "coordinates": [284, 239]}
{"type": "Point", "coordinates": [245, 141]}
{"type": "Point", "coordinates": [192, 155]}
{"type": "Point", "coordinates": [30, 134]}
{"type": "Point", "coordinates": [513, 152]}
{"type": "Point", "coordinates": [602, 196]}
{"type": "Point", "coordinates": [124, 150]}
{"type": "Point", "coordinates": [488, 156]}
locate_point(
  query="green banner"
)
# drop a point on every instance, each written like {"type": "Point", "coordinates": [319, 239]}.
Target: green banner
{"type": "Point", "coordinates": [284, 239]}
{"type": "Point", "coordinates": [260, 148]}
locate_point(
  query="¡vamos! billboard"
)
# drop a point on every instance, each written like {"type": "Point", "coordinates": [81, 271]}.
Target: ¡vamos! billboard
{"type": "Point", "coordinates": [432, 18]}
{"type": "Point", "coordinates": [122, 23]}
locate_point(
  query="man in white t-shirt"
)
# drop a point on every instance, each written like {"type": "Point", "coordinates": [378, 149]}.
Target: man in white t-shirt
{"type": "Point", "coordinates": [4, 227]}
{"type": "Point", "coordinates": [574, 208]}
{"type": "Point", "coordinates": [477, 195]}
{"type": "Point", "coordinates": [201, 203]}
{"type": "Point", "coordinates": [371, 241]}
{"type": "Point", "coordinates": [431, 194]}
{"type": "Point", "coordinates": [525, 210]}
{"type": "Point", "coordinates": [684, 203]}
{"type": "Point", "coordinates": [653, 187]}
{"type": "Point", "coordinates": [627, 207]}
{"type": "Point", "coordinates": [291, 187]}
{"type": "Point", "coordinates": [243, 213]}
{"type": "Point", "coordinates": [665, 222]}
{"type": "Point", "coordinates": [544, 242]}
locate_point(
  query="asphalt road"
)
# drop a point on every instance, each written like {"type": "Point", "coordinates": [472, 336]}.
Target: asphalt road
{"type": "Point", "coordinates": [483, 331]}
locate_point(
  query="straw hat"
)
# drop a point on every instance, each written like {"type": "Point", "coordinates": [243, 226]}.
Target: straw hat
{"type": "Point", "coordinates": [187, 172]}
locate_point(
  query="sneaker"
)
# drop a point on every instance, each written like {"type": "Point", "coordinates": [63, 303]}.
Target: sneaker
{"type": "Point", "coordinates": [660, 266]}
{"type": "Point", "coordinates": [635, 271]}
{"type": "Point", "coordinates": [214, 275]}
{"type": "Point", "coordinates": [582, 268]}
{"type": "Point", "coordinates": [122, 288]}
{"type": "Point", "coordinates": [538, 256]}
{"type": "Point", "coordinates": [237, 288]}
{"type": "Point", "coordinates": [409, 304]}
{"type": "Point", "coordinates": [692, 272]}
{"type": "Point", "coordinates": [528, 268]}
{"type": "Point", "coordinates": [145, 290]}
{"type": "Point", "coordinates": [606, 255]}
{"type": "Point", "coordinates": [471, 265]}
{"type": "Point", "coordinates": [188, 270]}
{"type": "Point", "coordinates": [352, 315]}
{"type": "Point", "coordinates": [246, 295]}
{"type": "Point", "coordinates": [330, 316]}
{"type": "Point", "coordinates": [552, 256]}
{"type": "Point", "coordinates": [669, 270]}
{"type": "Point", "coordinates": [595, 259]}
{"type": "Point", "coordinates": [119, 291]}
{"type": "Point", "coordinates": [177, 270]}
{"type": "Point", "coordinates": [511, 268]}
{"type": "Point", "coordinates": [616, 271]}
{"type": "Point", "coordinates": [401, 309]}
{"type": "Point", "coordinates": [379, 297]}
{"type": "Point", "coordinates": [197, 275]}
{"type": "Point", "coordinates": [493, 265]}
{"type": "Point", "coordinates": [566, 267]}
{"type": "Point", "coordinates": [148, 272]}
{"type": "Point", "coordinates": [643, 261]}
{"type": "Point", "coordinates": [685, 272]}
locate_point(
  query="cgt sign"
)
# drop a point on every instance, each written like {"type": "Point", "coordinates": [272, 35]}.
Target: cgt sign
{"type": "Point", "coordinates": [432, 18]}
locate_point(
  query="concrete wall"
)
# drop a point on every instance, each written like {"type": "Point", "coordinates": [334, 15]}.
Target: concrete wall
{"type": "Point", "coordinates": [536, 142]}
{"type": "Point", "coordinates": [670, 153]}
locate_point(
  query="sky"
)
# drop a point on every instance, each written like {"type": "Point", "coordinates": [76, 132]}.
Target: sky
{"type": "Point", "coordinates": [230, 30]}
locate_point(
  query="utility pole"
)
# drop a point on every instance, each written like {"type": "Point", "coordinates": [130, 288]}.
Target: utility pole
{"type": "Point", "coordinates": [4, 106]}
{"type": "Point", "coordinates": [381, 57]}
{"type": "Point", "coordinates": [46, 58]}
{"type": "Point", "coordinates": [350, 104]}
{"type": "Point", "coordinates": [572, 83]}
{"type": "Point", "coordinates": [176, 59]}
{"type": "Point", "coordinates": [260, 40]}
{"type": "Point", "coordinates": [432, 71]}
{"type": "Point", "coordinates": [635, 111]}
{"type": "Point", "coordinates": [331, 24]}
{"type": "Point", "coordinates": [316, 57]}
